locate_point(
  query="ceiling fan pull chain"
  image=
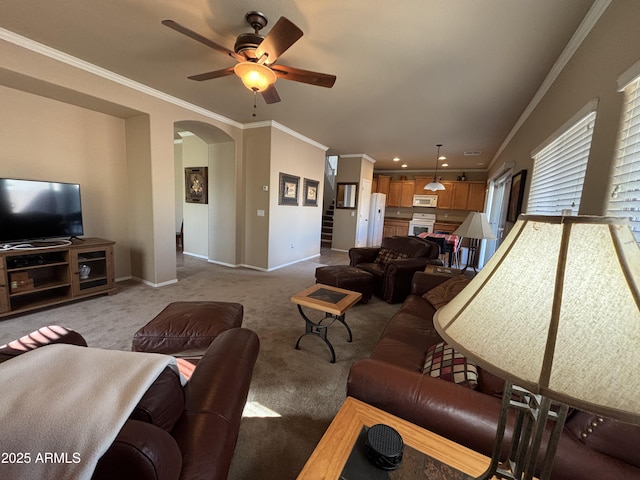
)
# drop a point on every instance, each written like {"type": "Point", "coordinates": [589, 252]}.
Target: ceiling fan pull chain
{"type": "Point", "coordinates": [255, 93]}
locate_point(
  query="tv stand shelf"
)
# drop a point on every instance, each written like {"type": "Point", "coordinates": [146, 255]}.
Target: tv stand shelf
{"type": "Point", "coordinates": [41, 277]}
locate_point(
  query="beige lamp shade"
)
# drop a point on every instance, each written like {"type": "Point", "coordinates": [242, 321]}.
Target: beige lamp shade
{"type": "Point", "coordinates": [556, 311]}
{"type": "Point", "coordinates": [255, 76]}
{"type": "Point", "coordinates": [475, 225]}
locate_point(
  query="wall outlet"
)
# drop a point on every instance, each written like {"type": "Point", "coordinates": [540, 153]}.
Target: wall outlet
{"type": "Point", "coordinates": [265, 188]}
{"type": "Point", "coordinates": [261, 213]}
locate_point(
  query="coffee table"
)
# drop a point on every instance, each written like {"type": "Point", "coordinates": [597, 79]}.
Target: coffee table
{"type": "Point", "coordinates": [333, 301]}
{"type": "Point", "coordinates": [332, 452]}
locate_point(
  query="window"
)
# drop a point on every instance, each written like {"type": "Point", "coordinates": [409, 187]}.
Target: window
{"type": "Point", "coordinates": [625, 181]}
{"type": "Point", "coordinates": [560, 165]}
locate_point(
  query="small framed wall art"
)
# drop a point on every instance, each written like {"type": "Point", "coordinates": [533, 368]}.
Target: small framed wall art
{"type": "Point", "coordinates": [289, 186]}
{"type": "Point", "coordinates": [310, 189]}
{"type": "Point", "coordinates": [196, 182]}
{"type": "Point", "coordinates": [516, 195]}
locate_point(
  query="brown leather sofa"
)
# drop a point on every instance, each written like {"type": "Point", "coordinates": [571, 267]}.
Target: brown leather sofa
{"type": "Point", "coordinates": [182, 433]}
{"type": "Point", "coordinates": [392, 276]}
{"type": "Point", "coordinates": [591, 447]}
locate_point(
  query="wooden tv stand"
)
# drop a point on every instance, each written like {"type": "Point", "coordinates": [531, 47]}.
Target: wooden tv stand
{"type": "Point", "coordinates": [50, 274]}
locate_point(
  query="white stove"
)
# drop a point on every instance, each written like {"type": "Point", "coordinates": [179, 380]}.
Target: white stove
{"type": "Point", "coordinates": [421, 223]}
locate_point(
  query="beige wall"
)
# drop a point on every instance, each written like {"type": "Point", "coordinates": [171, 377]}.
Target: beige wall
{"type": "Point", "coordinates": [609, 49]}
{"type": "Point", "coordinates": [195, 153]}
{"type": "Point", "coordinates": [294, 231]}
{"type": "Point", "coordinates": [223, 204]}
{"type": "Point", "coordinates": [257, 146]}
{"type": "Point", "coordinates": [119, 134]}
{"type": "Point", "coordinates": [42, 139]}
{"type": "Point", "coordinates": [351, 168]}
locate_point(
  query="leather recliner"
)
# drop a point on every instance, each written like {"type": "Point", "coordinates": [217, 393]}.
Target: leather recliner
{"type": "Point", "coordinates": [200, 439]}
{"type": "Point", "coordinates": [392, 276]}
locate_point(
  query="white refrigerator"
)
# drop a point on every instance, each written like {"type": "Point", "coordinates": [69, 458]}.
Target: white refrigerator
{"type": "Point", "coordinates": [376, 219]}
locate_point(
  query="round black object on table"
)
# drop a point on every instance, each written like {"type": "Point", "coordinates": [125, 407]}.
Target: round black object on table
{"type": "Point", "coordinates": [384, 447]}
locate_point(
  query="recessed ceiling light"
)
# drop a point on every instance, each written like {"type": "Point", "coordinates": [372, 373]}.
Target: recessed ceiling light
{"type": "Point", "coordinates": [444, 165]}
{"type": "Point", "coordinates": [404, 165]}
{"type": "Point", "coordinates": [396, 159]}
{"type": "Point", "coordinates": [442, 157]}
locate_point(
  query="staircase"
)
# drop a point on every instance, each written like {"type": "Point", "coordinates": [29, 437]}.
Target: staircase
{"type": "Point", "coordinates": [326, 236]}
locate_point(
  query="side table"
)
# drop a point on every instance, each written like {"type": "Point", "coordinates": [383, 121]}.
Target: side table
{"type": "Point", "coordinates": [332, 452]}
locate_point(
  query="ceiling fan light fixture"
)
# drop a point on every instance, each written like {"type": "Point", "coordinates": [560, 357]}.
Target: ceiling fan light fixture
{"type": "Point", "coordinates": [256, 77]}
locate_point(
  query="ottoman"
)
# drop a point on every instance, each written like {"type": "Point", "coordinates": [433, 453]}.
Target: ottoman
{"type": "Point", "coordinates": [347, 277]}
{"type": "Point", "coordinates": [187, 328]}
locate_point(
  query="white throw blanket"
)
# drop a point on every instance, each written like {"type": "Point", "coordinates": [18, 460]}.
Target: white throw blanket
{"type": "Point", "coordinates": [62, 406]}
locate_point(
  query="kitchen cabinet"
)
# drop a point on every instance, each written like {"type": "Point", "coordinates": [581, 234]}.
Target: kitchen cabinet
{"type": "Point", "coordinates": [462, 196]}
{"type": "Point", "coordinates": [445, 196]}
{"type": "Point", "coordinates": [383, 184]}
{"type": "Point", "coordinates": [406, 193]}
{"type": "Point", "coordinates": [395, 227]}
{"type": "Point", "coordinates": [393, 197]}
{"type": "Point", "coordinates": [401, 193]}
{"type": "Point", "coordinates": [446, 227]}
{"type": "Point", "coordinates": [421, 182]}
{"type": "Point", "coordinates": [477, 192]}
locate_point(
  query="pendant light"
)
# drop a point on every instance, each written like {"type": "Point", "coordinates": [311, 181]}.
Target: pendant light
{"type": "Point", "coordinates": [435, 185]}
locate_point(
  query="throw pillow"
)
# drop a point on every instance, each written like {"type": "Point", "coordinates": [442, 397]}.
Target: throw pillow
{"type": "Point", "coordinates": [385, 255]}
{"type": "Point", "coordinates": [444, 293]}
{"type": "Point", "coordinates": [445, 363]}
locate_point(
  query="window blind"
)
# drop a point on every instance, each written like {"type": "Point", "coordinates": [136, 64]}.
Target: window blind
{"type": "Point", "coordinates": [559, 170]}
{"type": "Point", "coordinates": [625, 181]}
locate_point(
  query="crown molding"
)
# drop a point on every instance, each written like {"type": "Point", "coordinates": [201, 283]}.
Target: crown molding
{"type": "Point", "coordinates": [364, 156]}
{"type": "Point", "coordinates": [287, 130]}
{"type": "Point", "coordinates": [585, 27]}
{"type": "Point", "coordinates": [67, 59]}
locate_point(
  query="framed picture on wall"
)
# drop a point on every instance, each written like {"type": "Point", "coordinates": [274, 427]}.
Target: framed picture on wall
{"type": "Point", "coordinates": [516, 195]}
{"type": "Point", "coordinates": [196, 182]}
{"type": "Point", "coordinates": [310, 190]}
{"type": "Point", "coordinates": [289, 185]}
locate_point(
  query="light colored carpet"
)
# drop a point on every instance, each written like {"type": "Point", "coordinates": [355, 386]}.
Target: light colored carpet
{"type": "Point", "coordinates": [294, 393]}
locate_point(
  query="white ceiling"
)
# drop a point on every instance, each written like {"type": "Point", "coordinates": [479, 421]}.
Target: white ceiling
{"type": "Point", "coordinates": [410, 73]}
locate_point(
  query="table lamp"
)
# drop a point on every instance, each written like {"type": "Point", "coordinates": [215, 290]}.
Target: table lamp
{"type": "Point", "coordinates": [476, 228]}
{"type": "Point", "coordinates": [555, 311]}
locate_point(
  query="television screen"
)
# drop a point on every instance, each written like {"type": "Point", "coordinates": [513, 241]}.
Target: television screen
{"type": "Point", "coordinates": [32, 210]}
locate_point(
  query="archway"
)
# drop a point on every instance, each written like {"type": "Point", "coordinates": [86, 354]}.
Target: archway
{"type": "Point", "coordinates": [209, 229]}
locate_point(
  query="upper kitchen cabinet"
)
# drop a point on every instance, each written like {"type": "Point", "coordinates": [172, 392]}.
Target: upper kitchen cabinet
{"type": "Point", "coordinates": [382, 184]}
{"type": "Point", "coordinates": [462, 196]}
{"type": "Point", "coordinates": [400, 193]}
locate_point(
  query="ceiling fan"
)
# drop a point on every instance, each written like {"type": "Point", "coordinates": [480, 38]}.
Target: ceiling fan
{"type": "Point", "coordinates": [256, 55]}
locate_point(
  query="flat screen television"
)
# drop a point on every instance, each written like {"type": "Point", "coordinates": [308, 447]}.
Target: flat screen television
{"type": "Point", "coordinates": [36, 210]}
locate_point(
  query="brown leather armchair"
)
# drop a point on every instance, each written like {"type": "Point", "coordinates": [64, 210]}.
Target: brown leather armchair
{"type": "Point", "coordinates": [394, 263]}
{"type": "Point", "coordinates": [175, 432]}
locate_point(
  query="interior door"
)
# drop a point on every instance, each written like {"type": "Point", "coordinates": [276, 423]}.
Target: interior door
{"type": "Point", "coordinates": [363, 213]}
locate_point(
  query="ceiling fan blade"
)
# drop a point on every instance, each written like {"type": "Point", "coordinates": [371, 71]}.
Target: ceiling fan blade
{"type": "Point", "coordinates": [211, 75]}
{"type": "Point", "coordinates": [199, 38]}
{"type": "Point", "coordinates": [283, 34]}
{"type": "Point", "coordinates": [304, 76]}
{"type": "Point", "coordinates": [270, 95]}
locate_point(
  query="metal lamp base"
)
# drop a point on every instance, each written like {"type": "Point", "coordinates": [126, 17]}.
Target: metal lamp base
{"type": "Point", "coordinates": [532, 414]}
